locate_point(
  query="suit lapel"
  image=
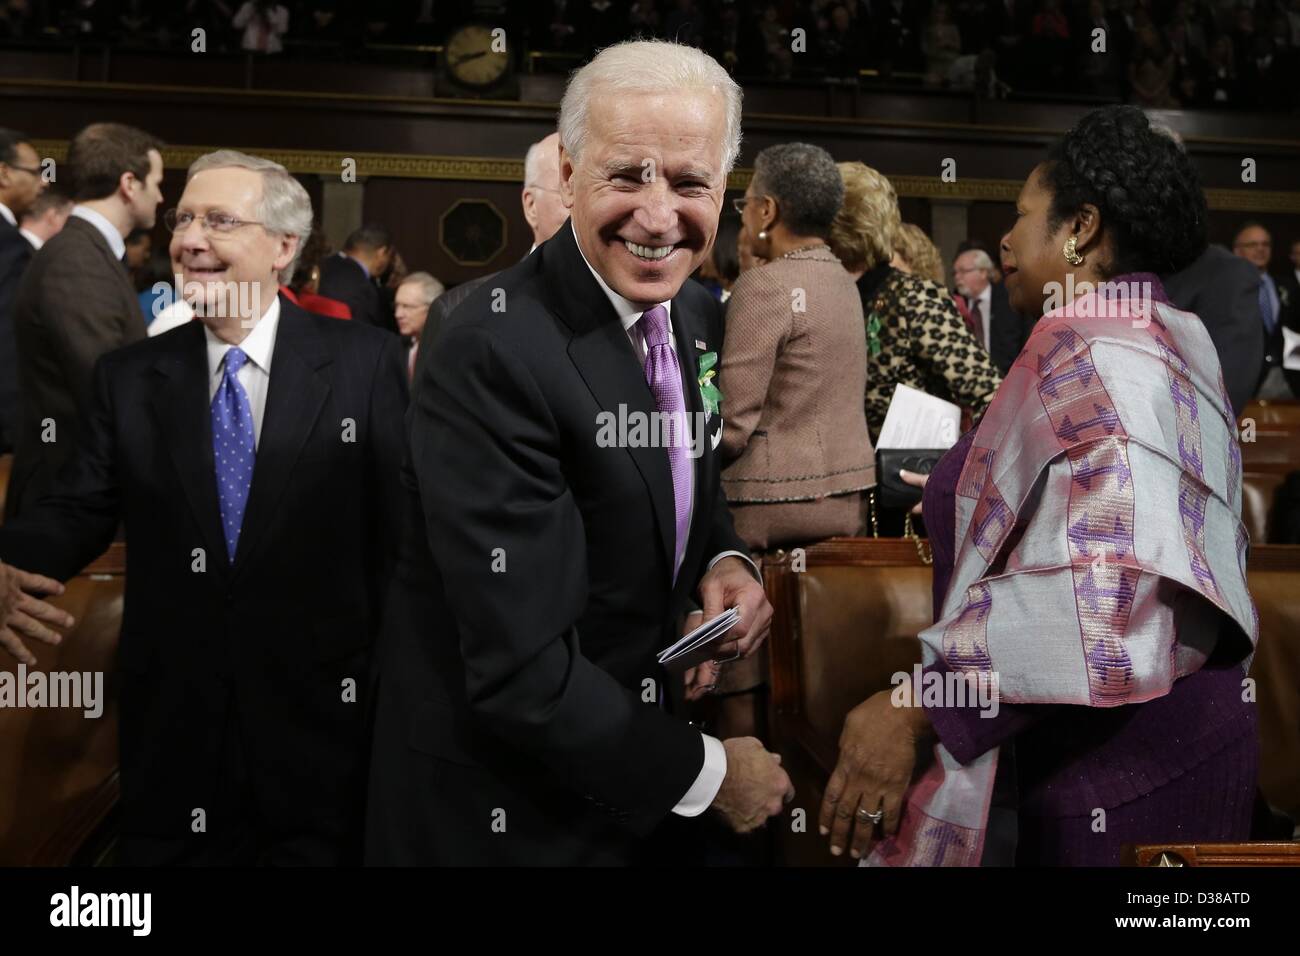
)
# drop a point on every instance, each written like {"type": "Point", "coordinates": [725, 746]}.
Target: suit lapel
{"type": "Point", "coordinates": [605, 359]}
{"type": "Point", "coordinates": [180, 402]}
{"type": "Point", "coordinates": [297, 393]}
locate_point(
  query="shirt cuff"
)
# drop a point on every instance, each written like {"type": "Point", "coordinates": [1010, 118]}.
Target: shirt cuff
{"type": "Point", "coordinates": [737, 554]}
{"type": "Point", "coordinates": [708, 783]}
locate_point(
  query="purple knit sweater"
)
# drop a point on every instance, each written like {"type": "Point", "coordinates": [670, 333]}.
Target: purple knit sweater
{"type": "Point", "coordinates": [1178, 768]}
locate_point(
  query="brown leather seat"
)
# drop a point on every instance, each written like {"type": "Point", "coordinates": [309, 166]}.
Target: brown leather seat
{"type": "Point", "coordinates": [60, 768]}
{"type": "Point", "coordinates": [1274, 578]}
{"type": "Point", "coordinates": [1284, 413]}
{"type": "Point", "coordinates": [849, 621]}
{"type": "Point", "coordinates": [1258, 497]}
{"type": "Point", "coordinates": [842, 628]}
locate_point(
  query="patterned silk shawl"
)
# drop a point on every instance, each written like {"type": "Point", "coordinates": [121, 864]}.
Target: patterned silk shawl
{"type": "Point", "coordinates": [1097, 514]}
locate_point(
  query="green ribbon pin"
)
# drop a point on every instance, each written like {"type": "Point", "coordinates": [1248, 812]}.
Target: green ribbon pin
{"type": "Point", "coordinates": [708, 391]}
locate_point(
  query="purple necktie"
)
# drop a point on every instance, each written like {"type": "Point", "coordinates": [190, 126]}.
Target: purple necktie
{"type": "Point", "coordinates": [664, 377]}
{"type": "Point", "coordinates": [233, 448]}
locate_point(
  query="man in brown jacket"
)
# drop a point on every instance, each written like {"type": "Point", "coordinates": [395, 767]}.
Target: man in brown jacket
{"type": "Point", "coordinates": [76, 301]}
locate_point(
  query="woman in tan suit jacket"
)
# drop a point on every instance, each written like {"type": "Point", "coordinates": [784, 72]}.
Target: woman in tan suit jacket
{"type": "Point", "coordinates": [793, 362]}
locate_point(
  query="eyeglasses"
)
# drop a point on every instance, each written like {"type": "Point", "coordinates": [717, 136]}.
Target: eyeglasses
{"type": "Point", "coordinates": [213, 222]}
{"type": "Point", "coordinates": [739, 204]}
{"type": "Point", "coordinates": [30, 170]}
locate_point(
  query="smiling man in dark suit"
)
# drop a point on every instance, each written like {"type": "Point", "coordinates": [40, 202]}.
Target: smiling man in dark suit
{"type": "Point", "coordinates": [521, 707]}
{"type": "Point", "coordinates": [253, 458]}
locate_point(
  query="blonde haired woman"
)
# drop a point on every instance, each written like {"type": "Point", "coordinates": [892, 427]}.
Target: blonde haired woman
{"type": "Point", "coordinates": [915, 335]}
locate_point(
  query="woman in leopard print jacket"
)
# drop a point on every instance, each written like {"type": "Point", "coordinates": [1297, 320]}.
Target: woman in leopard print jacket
{"type": "Point", "coordinates": [915, 335]}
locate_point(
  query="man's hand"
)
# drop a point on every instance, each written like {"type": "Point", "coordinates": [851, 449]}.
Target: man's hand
{"type": "Point", "coordinates": [22, 614]}
{"type": "Point", "coordinates": [755, 786]}
{"type": "Point", "coordinates": [729, 584]}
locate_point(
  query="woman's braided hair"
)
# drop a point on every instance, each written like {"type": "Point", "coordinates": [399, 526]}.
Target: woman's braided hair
{"type": "Point", "coordinates": [1147, 190]}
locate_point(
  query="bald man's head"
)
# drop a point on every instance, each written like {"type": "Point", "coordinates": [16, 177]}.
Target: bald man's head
{"type": "Point", "coordinates": [543, 207]}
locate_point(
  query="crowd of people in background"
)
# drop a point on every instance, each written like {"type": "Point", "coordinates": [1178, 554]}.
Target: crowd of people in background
{"type": "Point", "coordinates": [1155, 53]}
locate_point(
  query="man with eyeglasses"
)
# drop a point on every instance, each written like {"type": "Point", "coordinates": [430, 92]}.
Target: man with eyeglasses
{"type": "Point", "coordinates": [20, 185]}
{"type": "Point", "coordinates": [1254, 244]}
{"type": "Point", "coordinates": [253, 457]}
{"type": "Point", "coordinates": [76, 302]}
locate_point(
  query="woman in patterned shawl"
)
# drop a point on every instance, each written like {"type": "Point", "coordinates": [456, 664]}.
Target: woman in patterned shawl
{"type": "Point", "coordinates": [1083, 684]}
{"type": "Point", "coordinates": [915, 335]}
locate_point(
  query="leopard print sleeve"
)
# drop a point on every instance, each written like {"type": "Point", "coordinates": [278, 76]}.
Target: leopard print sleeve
{"type": "Point", "coordinates": [917, 337]}
{"type": "Point", "coordinates": [948, 356]}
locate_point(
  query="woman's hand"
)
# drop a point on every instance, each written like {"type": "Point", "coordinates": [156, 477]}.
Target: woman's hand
{"type": "Point", "coordinates": [916, 480]}
{"type": "Point", "coordinates": [877, 754]}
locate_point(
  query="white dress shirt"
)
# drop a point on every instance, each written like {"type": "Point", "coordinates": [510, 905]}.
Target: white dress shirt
{"type": "Point", "coordinates": [709, 781]}
{"type": "Point", "coordinates": [255, 375]}
{"type": "Point", "coordinates": [35, 240]}
{"type": "Point", "coordinates": [8, 215]}
{"type": "Point", "coordinates": [106, 229]}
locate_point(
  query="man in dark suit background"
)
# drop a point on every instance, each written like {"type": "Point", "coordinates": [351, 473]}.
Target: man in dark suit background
{"type": "Point", "coordinates": [253, 458]}
{"type": "Point", "coordinates": [999, 329]}
{"type": "Point", "coordinates": [76, 301]}
{"type": "Point", "coordinates": [1254, 244]}
{"type": "Point", "coordinates": [1223, 291]}
{"type": "Point", "coordinates": [350, 276]}
{"type": "Point", "coordinates": [21, 184]}
{"type": "Point", "coordinates": [544, 212]}
{"type": "Point", "coordinates": [521, 715]}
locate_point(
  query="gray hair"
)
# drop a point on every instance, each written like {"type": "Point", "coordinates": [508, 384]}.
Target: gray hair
{"type": "Point", "coordinates": [981, 259]}
{"type": "Point", "coordinates": [285, 207]}
{"type": "Point", "coordinates": [806, 183]}
{"type": "Point", "coordinates": [532, 164]}
{"type": "Point", "coordinates": [648, 66]}
{"type": "Point", "coordinates": [430, 288]}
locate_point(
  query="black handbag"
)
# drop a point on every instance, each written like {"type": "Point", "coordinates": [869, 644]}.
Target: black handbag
{"type": "Point", "coordinates": [891, 490]}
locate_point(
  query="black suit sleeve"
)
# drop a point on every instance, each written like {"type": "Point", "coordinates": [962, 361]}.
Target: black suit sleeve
{"type": "Point", "coordinates": [508, 538]}
{"type": "Point", "coordinates": [13, 257]}
{"type": "Point", "coordinates": [76, 522]}
{"type": "Point", "coordinates": [388, 398]}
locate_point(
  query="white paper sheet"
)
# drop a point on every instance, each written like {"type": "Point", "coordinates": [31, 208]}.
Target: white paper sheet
{"type": "Point", "coordinates": [918, 420]}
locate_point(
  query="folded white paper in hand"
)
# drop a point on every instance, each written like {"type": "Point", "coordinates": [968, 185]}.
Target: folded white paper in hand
{"type": "Point", "coordinates": [699, 645]}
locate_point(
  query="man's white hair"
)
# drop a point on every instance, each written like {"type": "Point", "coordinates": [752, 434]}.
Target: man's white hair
{"type": "Point", "coordinates": [981, 259]}
{"type": "Point", "coordinates": [533, 163]}
{"type": "Point", "coordinates": [648, 66]}
{"type": "Point", "coordinates": [430, 288]}
{"type": "Point", "coordinates": [285, 207]}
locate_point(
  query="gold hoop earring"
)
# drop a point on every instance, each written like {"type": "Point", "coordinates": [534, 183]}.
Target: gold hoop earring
{"type": "Point", "coordinates": [1071, 251]}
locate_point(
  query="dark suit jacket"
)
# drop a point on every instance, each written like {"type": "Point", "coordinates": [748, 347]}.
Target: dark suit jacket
{"type": "Point", "coordinates": [1008, 330]}
{"type": "Point", "coordinates": [535, 586]}
{"type": "Point", "coordinates": [15, 253]}
{"type": "Point", "coordinates": [344, 279]}
{"type": "Point", "coordinates": [261, 647]}
{"type": "Point", "coordinates": [1223, 291]}
{"type": "Point", "coordinates": [439, 310]}
{"type": "Point", "coordinates": [75, 304]}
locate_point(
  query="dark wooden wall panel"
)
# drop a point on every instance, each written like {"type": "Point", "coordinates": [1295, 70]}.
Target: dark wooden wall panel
{"type": "Point", "coordinates": [411, 209]}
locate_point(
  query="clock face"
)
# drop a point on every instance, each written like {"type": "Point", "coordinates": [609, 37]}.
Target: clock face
{"type": "Point", "coordinates": [471, 58]}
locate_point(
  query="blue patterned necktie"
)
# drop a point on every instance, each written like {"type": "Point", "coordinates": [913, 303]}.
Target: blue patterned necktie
{"type": "Point", "coordinates": [1266, 303]}
{"type": "Point", "coordinates": [233, 448]}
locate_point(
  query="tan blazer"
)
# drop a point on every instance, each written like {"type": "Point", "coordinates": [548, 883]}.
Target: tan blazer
{"type": "Point", "coordinates": [793, 363]}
